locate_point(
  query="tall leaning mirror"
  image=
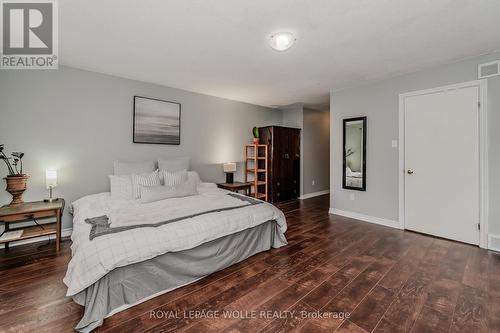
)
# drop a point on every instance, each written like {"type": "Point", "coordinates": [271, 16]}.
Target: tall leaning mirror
{"type": "Point", "coordinates": [354, 161]}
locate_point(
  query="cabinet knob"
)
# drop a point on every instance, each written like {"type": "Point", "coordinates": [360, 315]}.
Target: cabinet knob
{"type": "Point", "coordinates": [410, 172]}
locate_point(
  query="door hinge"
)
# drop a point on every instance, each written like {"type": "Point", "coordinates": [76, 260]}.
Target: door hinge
{"type": "Point", "coordinates": [478, 226]}
{"type": "Point", "coordinates": [479, 104]}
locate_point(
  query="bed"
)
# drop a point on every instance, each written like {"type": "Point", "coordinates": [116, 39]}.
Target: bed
{"type": "Point", "coordinates": [125, 252]}
{"type": "Point", "coordinates": [353, 178]}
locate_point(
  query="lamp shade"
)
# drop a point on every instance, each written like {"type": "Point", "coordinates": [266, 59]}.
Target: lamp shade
{"type": "Point", "coordinates": [230, 167]}
{"type": "Point", "coordinates": [50, 178]}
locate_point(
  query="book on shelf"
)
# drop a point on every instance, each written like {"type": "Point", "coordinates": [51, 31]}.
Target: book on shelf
{"type": "Point", "coordinates": [11, 235]}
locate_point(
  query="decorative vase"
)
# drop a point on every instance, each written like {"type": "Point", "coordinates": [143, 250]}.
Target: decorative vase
{"type": "Point", "coordinates": [16, 185]}
{"type": "Point", "coordinates": [256, 141]}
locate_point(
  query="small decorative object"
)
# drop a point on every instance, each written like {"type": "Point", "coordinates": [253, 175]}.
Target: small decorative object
{"type": "Point", "coordinates": [229, 169]}
{"type": "Point", "coordinates": [349, 152]}
{"type": "Point", "coordinates": [156, 121]}
{"type": "Point", "coordinates": [256, 138]}
{"type": "Point", "coordinates": [16, 179]}
{"type": "Point", "coordinates": [50, 182]}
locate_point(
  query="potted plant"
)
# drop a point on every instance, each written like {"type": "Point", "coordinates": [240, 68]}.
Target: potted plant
{"type": "Point", "coordinates": [16, 179]}
{"type": "Point", "coordinates": [256, 138]}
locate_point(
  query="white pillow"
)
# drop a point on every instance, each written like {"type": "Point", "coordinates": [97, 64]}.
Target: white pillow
{"type": "Point", "coordinates": [121, 187]}
{"type": "Point", "coordinates": [173, 178]}
{"type": "Point", "coordinates": [174, 164]}
{"type": "Point", "coordinates": [195, 176]}
{"type": "Point", "coordinates": [146, 179]}
{"type": "Point", "coordinates": [128, 168]}
{"type": "Point", "coordinates": [156, 193]}
{"type": "Point", "coordinates": [204, 188]}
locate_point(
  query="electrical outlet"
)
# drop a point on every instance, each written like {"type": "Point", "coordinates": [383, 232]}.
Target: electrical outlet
{"type": "Point", "coordinates": [351, 196]}
{"type": "Point", "coordinates": [394, 143]}
{"type": "Point", "coordinates": [313, 182]}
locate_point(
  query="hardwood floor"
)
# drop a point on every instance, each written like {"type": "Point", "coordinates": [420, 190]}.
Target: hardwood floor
{"type": "Point", "coordinates": [336, 275]}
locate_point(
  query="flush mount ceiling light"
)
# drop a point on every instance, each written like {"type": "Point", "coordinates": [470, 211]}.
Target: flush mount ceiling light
{"type": "Point", "coordinates": [281, 41]}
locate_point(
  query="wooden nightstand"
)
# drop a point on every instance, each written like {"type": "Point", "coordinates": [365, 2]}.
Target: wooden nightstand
{"type": "Point", "coordinates": [34, 211]}
{"type": "Point", "coordinates": [236, 186]}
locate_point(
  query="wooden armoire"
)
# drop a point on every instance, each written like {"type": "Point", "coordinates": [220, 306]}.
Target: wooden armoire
{"type": "Point", "coordinates": [284, 161]}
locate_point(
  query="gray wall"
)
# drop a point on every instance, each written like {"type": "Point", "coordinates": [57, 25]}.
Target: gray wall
{"type": "Point", "coordinates": [379, 102]}
{"type": "Point", "coordinates": [316, 150]}
{"type": "Point", "coordinates": [293, 115]}
{"type": "Point", "coordinates": [79, 122]}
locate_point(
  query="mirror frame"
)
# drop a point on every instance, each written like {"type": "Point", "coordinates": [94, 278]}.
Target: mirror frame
{"type": "Point", "coordinates": [363, 187]}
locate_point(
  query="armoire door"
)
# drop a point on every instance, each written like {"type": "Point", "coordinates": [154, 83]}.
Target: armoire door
{"type": "Point", "coordinates": [294, 141]}
{"type": "Point", "coordinates": [280, 166]}
{"type": "Point", "coordinates": [284, 176]}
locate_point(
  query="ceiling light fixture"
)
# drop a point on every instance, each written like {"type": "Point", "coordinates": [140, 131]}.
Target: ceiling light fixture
{"type": "Point", "coordinates": [281, 41]}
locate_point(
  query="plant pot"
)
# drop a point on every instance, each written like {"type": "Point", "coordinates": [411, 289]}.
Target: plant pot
{"type": "Point", "coordinates": [256, 141]}
{"type": "Point", "coordinates": [16, 185]}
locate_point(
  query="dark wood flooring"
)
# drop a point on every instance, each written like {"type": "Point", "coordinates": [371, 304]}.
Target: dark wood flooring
{"type": "Point", "coordinates": [384, 280]}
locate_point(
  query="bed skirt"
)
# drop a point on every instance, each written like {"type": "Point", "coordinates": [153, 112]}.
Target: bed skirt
{"type": "Point", "coordinates": [133, 284]}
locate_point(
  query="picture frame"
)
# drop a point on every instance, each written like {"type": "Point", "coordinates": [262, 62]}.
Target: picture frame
{"type": "Point", "coordinates": [156, 121]}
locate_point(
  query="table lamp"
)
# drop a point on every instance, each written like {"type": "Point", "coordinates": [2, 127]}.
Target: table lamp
{"type": "Point", "coordinates": [50, 182]}
{"type": "Point", "coordinates": [229, 169]}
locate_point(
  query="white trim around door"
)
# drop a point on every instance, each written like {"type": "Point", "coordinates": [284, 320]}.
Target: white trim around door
{"type": "Point", "coordinates": [483, 152]}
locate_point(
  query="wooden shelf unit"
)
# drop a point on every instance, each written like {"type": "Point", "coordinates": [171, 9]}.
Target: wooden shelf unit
{"type": "Point", "coordinates": [33, 211]}
{"type": "Point", "coordinates": [256, 167]}
{"type": "Point", "coordinates": [34, 231]}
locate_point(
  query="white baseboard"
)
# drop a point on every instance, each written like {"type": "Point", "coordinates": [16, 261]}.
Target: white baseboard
{"type": "Point", "coordinates": [494, 242]}
{"type": "Point", "coordinates": [365, 218]}
{"type": "Point", "coordinates": [64, 233]}
{"type": "Point", "coordinates": [314, 194]}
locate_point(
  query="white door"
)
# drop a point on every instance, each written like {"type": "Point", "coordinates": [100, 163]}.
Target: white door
{"type": "Point", "coordinates": [442, 164]}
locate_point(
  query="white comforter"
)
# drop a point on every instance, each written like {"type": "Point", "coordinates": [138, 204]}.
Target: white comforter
{"type": "Point", "coordinates": [92, 259]}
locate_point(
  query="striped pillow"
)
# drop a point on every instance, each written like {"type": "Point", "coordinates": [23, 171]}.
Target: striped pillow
{"type": "Point", "coordinates": [145, 179]}
{"type": "Point", "coordinates": [174, 178]}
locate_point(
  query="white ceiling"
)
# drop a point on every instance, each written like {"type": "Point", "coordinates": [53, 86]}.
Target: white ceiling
{"type": "Point", "coordinates": [220, 48]}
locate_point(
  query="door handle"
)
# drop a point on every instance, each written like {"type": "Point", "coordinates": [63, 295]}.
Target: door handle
{"type": "Point", "coordinates": [410, 172]}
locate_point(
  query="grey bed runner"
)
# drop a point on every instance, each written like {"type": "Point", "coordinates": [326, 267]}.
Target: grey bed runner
{"type": "Point", "coordinates": [101, 225]}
